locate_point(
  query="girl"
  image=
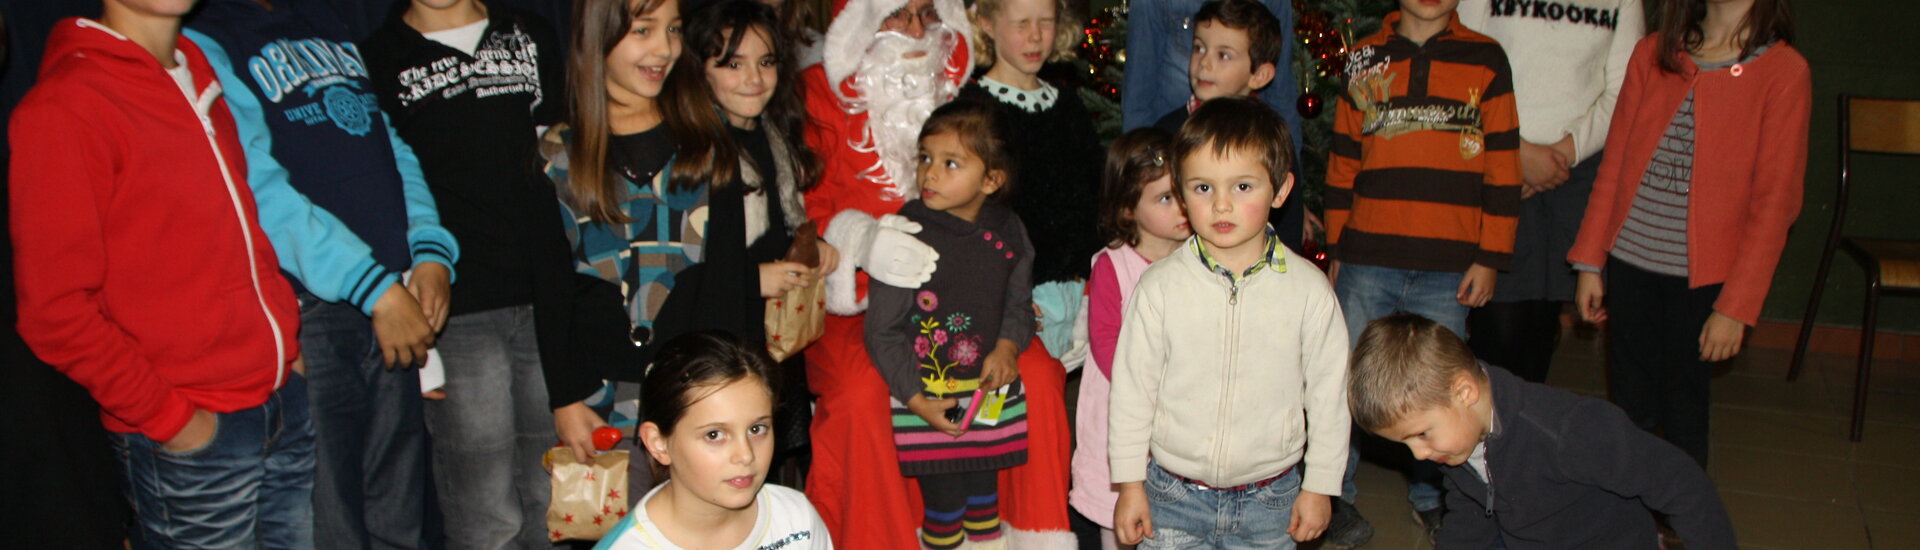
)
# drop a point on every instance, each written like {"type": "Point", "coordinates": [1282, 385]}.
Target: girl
{"type": "Point", "coordinates": [709, 410]}
{"type": "Point", "coordinates": [1054, 145]}
{"type": "Point", "coordinates": [1691, 207]}
{"type": "Point", "coordinates": [749, 67]}
{"type": "Point", "coordinates": [647, 173]}
{"type": "Point", "coordinates": [1142, 219]}
{"type": "Point", "coordinates": [960, 331]}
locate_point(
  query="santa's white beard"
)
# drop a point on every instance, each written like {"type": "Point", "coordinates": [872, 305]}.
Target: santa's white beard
{"type": "Point", "coordinates": [898, 93]}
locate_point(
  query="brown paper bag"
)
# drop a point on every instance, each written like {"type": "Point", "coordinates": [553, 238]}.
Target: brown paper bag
{"type": "Point", "coordinates": [588, 499]}
{"type": "Point", "coordinates": [800, 316]}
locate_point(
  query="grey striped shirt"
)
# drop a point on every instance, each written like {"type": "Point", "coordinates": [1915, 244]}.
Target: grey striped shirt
{"type": "Point", "coordinates": [1654, 236]}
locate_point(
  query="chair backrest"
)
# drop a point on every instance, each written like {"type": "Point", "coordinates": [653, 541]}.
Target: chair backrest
{"type": "Point", "coordinates": [1883, 125]}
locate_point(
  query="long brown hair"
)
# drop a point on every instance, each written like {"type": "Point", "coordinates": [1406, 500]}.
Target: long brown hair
{"type": "Point", "coordinates": [703, 153]}
{"type": "Point", "coordinates": [714, 32]}
{"type": "Point", "coordinates": [1680, 31]}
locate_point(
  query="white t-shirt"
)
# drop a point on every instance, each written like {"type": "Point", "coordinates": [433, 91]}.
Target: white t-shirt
{"type": "Point", "coordinates": [787, 522]}
{"type": "Point", "coordinates": [465, 38]}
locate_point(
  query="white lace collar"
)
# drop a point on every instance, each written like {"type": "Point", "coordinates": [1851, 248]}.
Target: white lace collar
{"type": "Point", "coordinates": [1032, 101]}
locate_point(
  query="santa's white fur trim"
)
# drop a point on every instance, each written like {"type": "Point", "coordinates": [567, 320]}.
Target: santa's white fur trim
{"type": "Point", "coordinates": [853, 28]}
{"type": "Point", "coordinates": [1038, 540]}
{"type": "Point", "coordinates": [851, 232]}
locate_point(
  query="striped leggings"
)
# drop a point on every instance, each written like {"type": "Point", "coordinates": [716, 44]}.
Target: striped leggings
{"type": "Point", "coordinates": [963, 506]}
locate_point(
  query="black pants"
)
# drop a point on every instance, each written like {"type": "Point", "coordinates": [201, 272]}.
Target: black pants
{"type": "Point", "coordinates": [953, 500]}
{"type": "Point", "coordinates": [1518, 336]}
{"type": "Point", "coordinates": [1657, 377]}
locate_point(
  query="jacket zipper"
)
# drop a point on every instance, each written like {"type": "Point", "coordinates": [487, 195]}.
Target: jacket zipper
{"type": "Point", "coordinates": [1227, 381]}
{"type": "Point", "coordinates": [201, 107]}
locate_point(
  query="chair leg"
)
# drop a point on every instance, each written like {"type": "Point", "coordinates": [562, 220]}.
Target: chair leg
{"type": "Point", "coordinates": [1813, 310]}
{"type": "Point", "coordinates": [1862, 377]}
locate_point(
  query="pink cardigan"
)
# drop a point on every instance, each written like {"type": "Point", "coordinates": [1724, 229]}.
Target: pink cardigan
{"type": "Point", "coordinates": [1749, 167]}
{"type": "Point", "coordinates": [1115, 271]}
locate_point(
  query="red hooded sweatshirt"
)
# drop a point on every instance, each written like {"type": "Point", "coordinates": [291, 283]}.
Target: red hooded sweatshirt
{"type": "Point", "coordinates": [141, 269]}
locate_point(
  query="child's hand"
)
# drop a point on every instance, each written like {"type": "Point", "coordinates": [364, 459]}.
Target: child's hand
{"type": "Point", "coordinates": [1002, 367]}
{"type": "Point", "coordinates": [575, 424]}
{"type": "Point", "coordinates": [1720, 338]}
{"type": "Point", "coordinates": [1333, 273]}
{"type": "Point", "coordinates": [1541, 167]}
{"type": "Point", "coordinates": [1311, 511]}
{"type": "Point", "coordinates": [935, 412]}
{"type": "Point", "coordinates": [1132, 519]}
{"type": "Point", "coordinates": [829, 258]}
{"type": "Point", "coordinates": [776, 278]}
{"type": "Point", "coordinates": [1477, 286]}
{"type": "Point", "coordinates": [1589, 297]}
{"type": "Point", "coordinates": [429, 283]}
{"type": "Point", "coordinates": [401, 328]}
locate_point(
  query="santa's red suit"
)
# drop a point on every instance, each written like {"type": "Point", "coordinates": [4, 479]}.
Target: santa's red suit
{"type": "Point", "coordinates": [855, 480]}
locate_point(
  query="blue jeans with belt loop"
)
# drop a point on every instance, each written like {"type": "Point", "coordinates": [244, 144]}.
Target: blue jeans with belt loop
{"type": "Point", "coordinates": [1188, 515]}
{"type": "Point", "coordinates": [491, 431]}
{"type": "Point", "coordinates": [251, 486]}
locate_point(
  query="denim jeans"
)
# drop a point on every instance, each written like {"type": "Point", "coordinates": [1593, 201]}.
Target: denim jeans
{"type": "Point", "coordinates": [248, 487]}
{"type": "Point", "coordinates": [370, 482]}
{"type": "Point", "coordinates": [1370, 292]}
{"type": "Point", "coordinates": [490, 432]}
{"type": "Point", "coordinates": [1188, 516]}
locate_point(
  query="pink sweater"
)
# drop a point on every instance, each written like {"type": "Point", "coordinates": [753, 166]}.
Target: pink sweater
{"type": "Point", "coordinates": [1115, 271]}
{"type": "Point", "coordinates": [1749, 167]}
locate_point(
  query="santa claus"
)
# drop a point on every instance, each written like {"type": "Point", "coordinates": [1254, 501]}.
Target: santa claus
{"type": "Point", "coordinates": [887, 65]}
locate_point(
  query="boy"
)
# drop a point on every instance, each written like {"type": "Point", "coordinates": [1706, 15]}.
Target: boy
{"type": "Point", "coordinates": [466, 83]}
{"type": "Point", "coordinates": [1571, 471]}
{"type": "Point", "coordinates": [1228, 415]}
{"type": "Point", "coordinates": [1237, 49]}
{"type": "Point", "coordinates": [143, 274]}
{"type": "Point", "coordinates": [1423, 184]}
{"type": "Point", "coordinates": [344, 203]}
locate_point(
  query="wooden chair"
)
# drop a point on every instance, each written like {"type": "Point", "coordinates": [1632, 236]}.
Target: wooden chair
{"type": "Point", "coordinates": [1878, 126]}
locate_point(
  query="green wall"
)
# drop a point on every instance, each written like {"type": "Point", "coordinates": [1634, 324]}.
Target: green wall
{"type": "Point", "coordinates": [1862, 47]}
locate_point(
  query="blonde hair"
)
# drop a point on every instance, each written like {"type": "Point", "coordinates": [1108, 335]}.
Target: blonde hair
{"type": "Point", "coordinates": [1066, 32]}
{"type": "Point", "coordinates": [1405, 363]}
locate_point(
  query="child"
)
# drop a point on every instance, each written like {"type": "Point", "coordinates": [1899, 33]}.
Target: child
{"type": "Point", "coordinates": [466, 83]}
{"type": "Point", "coordinates": [1230, 363]}
{"type": "Point", "coordinates": [301, 115]}
{"type": "Point", "coordinates": [1687, 273]}
{"type": "Point", "coordinates": [1527, 466]}
{"type": "Point", "coordinates": [709, 411]}
{"type": "Point", "coordinates": [1055, 147]}
{"type": "Point", "coordinates": [1160, 40]}
{"type": "Point", "coordinates": [656, 216]}
{"type": "Point", "coordinates": [1423, 184]}
{"type": "Point", "coordinates": [748, 61]}
{"type": "Point", "coordinates": [1567, 71]}
{"type": "Point", "coordinates": [1237, 49]}
{"type": "Point", "coordinates": [144, 275]}
{"type": "Point", "coordinates": [1141, 217]}
{"type": "Point", "coordinates": [960, 331]}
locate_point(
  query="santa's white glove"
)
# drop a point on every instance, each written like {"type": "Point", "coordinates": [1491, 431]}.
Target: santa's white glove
{"type": "Point", "coordinates": [885, 248]}
{"type": "Point", "coordinates": [896, 257]}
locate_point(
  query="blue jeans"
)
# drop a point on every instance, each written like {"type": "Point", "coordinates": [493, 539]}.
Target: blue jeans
{"type": "Point", "coordinates": [248, 487]}
{"type": "Point", "coordinates": [370, 484]}
{"type": "Point", "coordinates": [1370, 292]}
{"type": "Point", "coordinates": [1188, 516]}
{"type": "Point", "coordinates": [491, 431]}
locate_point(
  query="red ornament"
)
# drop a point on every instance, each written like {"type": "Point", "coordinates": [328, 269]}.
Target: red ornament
{"type": "Point", "coordinates": [605, 437]}
{"type": "Point", "coordinates": [1310, 105]}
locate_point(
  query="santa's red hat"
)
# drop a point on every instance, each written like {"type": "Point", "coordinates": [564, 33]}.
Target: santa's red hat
{"type": "Point", "coordinates": [856, 21]}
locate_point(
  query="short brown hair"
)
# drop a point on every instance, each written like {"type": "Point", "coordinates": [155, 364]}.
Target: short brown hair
{"type": "Point", "coordinates": [1236, 124]}
{"type": "Point", "coordinates": [1137, 158]}
{"type": "Point", "coordinates": [1404, 364]}
{"type": "Point", "coordinates": [982, 130]}
{"type": "Point", "coordinates": [1262, 28]}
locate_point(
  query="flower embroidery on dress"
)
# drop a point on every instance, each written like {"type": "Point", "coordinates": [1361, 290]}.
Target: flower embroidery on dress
{"type": "Point", "coordinates": [962, 350]}
{"type": "Point", "coordinates": [927, 300]}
